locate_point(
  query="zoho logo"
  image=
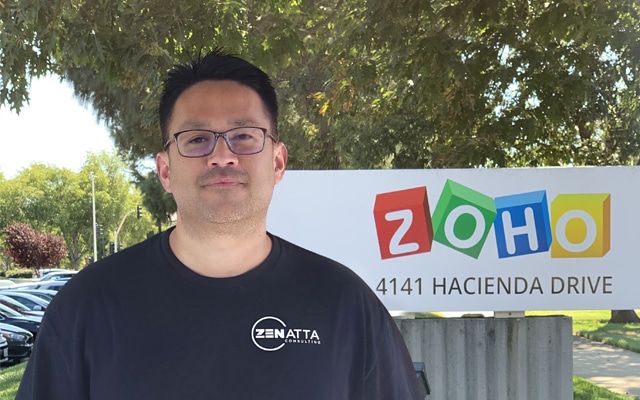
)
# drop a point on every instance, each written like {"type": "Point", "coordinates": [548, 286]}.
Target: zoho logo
{"type": "Point", "coordinates": [574, 225]}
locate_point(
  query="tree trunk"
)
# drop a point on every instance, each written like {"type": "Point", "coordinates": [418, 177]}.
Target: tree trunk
{"type": "Point", "coordinates": [624, 316]}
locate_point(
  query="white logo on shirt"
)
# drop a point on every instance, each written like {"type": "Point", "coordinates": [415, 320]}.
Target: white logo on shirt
{"type": "Point", "coordinates": [271, 334]}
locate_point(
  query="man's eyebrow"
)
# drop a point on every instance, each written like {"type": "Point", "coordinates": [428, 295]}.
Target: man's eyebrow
{"type": "Point", "coordinates": [194, 125]}
{"type": "Point", "coordinates": [244, 122]}
{"type": "Point", "coordinates": [206, 125]}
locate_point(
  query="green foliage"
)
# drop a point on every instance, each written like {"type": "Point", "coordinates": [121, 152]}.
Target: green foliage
{"type": "Point", "coordinates": [156, 200]}
{"type": "Point", "coordinates": [59, 201]}
{"type": "Point", "coordinates": [585, 390]}
{"type": "Point", "coordinates": [595, 325]}
{"type": "Point", "coordinates": [626, 336]}
{"type": "Point", "coordinates": [5, 261]}
{"type": "Point", "coordinates": [363, 83]}
{"type": "Point", "coordinates": [10, 380]}
{"type": "Point", "coordinates": [21, 273]}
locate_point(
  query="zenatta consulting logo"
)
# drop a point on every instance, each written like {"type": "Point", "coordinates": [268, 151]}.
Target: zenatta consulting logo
{"type": "Point", "coordinates": [572, 226]}
{"type": "Point", "coordinates": [271, 334]}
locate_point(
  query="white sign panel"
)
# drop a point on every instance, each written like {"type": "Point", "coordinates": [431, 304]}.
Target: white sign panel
{"type": "Point", "coordinates": [473, 239]}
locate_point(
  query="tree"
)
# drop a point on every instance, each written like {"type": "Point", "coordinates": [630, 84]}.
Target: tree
{"type": "Point", "coordinates": [31, 249]}
{"type": "Point", "coordinates": [156, 200]}
{"type": "Point", "coordinates": [59, 201]}
{"type": "Point", "coordinates": [403, 84]}
{"type": "Point", "coordinates": [624, 317]}
{"type": "Point", "coordinates": [363, 83]}
{"type": "Point", "coordinates": [116, 53]}
{"type": "Point", "coordinates": [477, 83]}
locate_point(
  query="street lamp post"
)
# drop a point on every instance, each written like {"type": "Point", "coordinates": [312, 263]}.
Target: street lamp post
{"type": "Point", "coordinates": [115, 234]}
{"type": "Point", "coordinates": [93, 203]}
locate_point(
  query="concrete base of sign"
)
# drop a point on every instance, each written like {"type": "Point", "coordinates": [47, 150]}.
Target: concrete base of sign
{"type": "Point", "coordinates": [493, 358]}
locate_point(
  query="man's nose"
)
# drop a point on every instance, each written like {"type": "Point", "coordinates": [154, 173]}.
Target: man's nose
{"type": "Point", "coordinates": [221, 154]}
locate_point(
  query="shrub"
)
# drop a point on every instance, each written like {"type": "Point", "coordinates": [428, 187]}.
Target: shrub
{"type": "Point", "coordinates": [19, 273]}
{"type": "Point", "coordinates": [29, 248]}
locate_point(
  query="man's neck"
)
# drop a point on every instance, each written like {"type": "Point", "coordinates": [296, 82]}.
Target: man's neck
{"type": "Point", "coordinates": [220, 253]}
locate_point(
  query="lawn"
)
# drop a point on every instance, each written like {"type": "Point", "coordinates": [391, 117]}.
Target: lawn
{"type": "Point", "coordinates": [594, 325]}
{"type": "Point", "coordinates": [9, 381]}
{"type": "Point", "coordinates": [585, 390]}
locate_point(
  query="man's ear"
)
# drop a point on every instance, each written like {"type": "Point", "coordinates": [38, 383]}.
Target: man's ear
{"type": "Point", "coordinates": [280, 156]}
{"type": "Point", "coordinates": [162, 167]}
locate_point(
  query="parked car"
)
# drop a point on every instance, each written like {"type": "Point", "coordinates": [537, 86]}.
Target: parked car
{"type": "Point", "coordinates": [44, 271]}
{"type": "Point", "coordinates": [19, 342]}
{"type": "Point", "coordinates": [46, 295]}
{"type": "Point", "coordinates": [15, 305]}
{"type": "Point", "coordinates": [8, 316]}
{"type": "Point", "coordinates": [57, 275]}
{"type": "Point", "coordinates": [47, 285]}
{"type": "Point", "coordinates": [6, 283]}
{"type": "Point", "coordinates": [31, 301]}
{"type": "Point", "coordinates": [4, 350]}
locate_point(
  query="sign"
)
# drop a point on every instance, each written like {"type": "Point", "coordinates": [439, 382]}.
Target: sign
{"type": "Point", "coordinates": [473, 239]}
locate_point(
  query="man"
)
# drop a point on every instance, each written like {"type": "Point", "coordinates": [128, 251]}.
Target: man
{"type": "Point", "coordinates": [218, 308]}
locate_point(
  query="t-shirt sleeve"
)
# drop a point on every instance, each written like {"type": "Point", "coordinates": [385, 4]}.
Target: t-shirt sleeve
{"type": "Point", "coordinates": [391, 374]}
{"type": "Point", "coordinates": [388, 368]}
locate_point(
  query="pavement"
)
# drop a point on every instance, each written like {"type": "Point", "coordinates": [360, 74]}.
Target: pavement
{"type": "Point", "coordinates": [611, 367]}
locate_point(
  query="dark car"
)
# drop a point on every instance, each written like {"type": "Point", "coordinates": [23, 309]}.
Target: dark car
{"type": "Point", "coordinates": [8, 316]}
{"type": "Point", "coordinates": [4, 350]}
{"type": "Point", "coordinates": [19, 342]}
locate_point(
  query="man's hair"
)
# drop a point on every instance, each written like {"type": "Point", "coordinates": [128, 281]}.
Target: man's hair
{"type": "Point", "coordinates": [216, 65]}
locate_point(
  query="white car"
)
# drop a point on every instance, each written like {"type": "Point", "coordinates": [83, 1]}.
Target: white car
{"type": "Point", "coordinates": [57, 275]}
{"type": "Point", "coordinates": [46, 285]}
{"type": "Point", "coordinates": [42, 272]}
{"type": "Point", "coordinates": [34, 303]}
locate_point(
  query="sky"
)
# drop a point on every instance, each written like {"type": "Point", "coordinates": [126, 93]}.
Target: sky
{"type": "Point", "coordinates": [54, 129]}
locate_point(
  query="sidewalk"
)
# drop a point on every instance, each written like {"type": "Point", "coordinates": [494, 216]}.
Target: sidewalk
{"type": "Point", "coordinates": [611, 367]}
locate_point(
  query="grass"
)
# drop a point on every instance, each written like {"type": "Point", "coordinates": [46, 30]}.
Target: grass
{"type": "Point", "coordinates": [590, 324]}
{"type": "Point", "coordinates": [585, 390]}
{"type": "Point", "coordinates": [594, 325]}
{"type": "Point", "coordinates": [9, 381]}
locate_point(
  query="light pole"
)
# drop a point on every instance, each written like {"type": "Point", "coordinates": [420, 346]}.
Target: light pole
{"type": "Point", "coordinates": [115, 234]}
{"type": "Point", "coordinates": [93, 202]}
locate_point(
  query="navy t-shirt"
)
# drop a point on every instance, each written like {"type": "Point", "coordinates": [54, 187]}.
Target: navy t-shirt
{"type": "Point", "coordinates": [141, 325]}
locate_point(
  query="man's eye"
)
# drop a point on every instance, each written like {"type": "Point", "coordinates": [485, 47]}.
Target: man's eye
{"type": "Point", "coordinates": [242, 136]}
{"type": "Point", "coordinates": [198, 140]}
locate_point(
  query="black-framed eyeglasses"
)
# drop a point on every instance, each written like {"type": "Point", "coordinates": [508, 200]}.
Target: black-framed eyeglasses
{"type": "Point", "coordinates": [244, 140]}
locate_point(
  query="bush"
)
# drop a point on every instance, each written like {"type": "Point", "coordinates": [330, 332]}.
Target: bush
{"type": "Point", "coordinates": [30, 248]}
{"type": "Point", "coordinates": [20, 273]}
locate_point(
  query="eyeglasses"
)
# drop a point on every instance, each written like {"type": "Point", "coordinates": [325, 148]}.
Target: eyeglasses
{"type": "Point", "coordinates": [244, 140]}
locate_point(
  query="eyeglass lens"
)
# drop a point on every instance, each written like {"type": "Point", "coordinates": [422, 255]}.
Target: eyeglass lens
{"type": "Point", "coordinates": [244, 140]}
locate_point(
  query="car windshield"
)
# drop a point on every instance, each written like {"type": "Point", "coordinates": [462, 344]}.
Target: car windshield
{"type": "Point", "coordinates": [28, 300]}
{"type": "Point", "coordinates": [7, 312]}
{"type": "Point", "coordinates": [15, 304]}
{"type": "Point", "coordinates": [42, 296]}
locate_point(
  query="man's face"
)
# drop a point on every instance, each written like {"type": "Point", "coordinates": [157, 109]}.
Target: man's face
{"type": "Point", "coordinates": [222, 187]}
